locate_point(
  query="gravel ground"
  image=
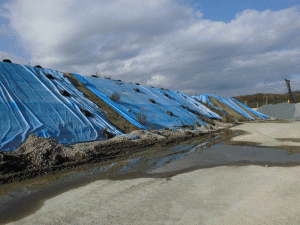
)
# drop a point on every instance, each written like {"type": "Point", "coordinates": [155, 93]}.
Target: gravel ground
{"type": "Point", "coordinates": [220, 195]}
{"type": "Point", "coordinates": [283, 111]}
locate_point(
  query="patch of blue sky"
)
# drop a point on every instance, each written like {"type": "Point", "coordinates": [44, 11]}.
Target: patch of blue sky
{"type": "Point", "coordinates": [226, 11]}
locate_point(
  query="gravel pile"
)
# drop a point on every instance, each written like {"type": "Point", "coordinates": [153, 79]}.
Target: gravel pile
{"type": "Point", "coordinates": [282, 111]}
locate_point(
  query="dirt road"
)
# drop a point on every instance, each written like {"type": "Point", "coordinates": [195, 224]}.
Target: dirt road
{"type": "Point", "coordinates": [221, 195]}
{"type": "Point", "coordinates": [282, 135]}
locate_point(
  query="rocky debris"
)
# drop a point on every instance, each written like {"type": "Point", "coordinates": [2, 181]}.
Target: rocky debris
{"type": "Point", "coordinates": [37, 152]}
{"type": "Point", "coordinates": [42, 151]}
{"type": "Point", "coordinates": [222, 125]}
{"type": "Point", "coordinates": [184, 132]}
{"type": "Point", "coordinates": [166, 133]}
{"type": "Point", "coordinates": [144, 134]}
{"type": "Point", "coordinates": [37, 155]}
{"type": "Point", "coordinates": [124, 137]}
{"type": "Point", "coordinates": [10, 162]}
{"type": "Point", "coordinates": [180, 132]}
{"type": "Point", "coordinates": [209, 127]}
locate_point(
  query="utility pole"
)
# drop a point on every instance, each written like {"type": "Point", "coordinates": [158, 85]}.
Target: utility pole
{"type": "Point", "coordinates": [291, 97]}
{"type": "Point", "coordinates": [267, 100]}
{"type": "Point", "coordinates": [256, 104]}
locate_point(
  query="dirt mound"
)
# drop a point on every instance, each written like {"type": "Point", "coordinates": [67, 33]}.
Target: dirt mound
{"type": "Point", "coordinates": [43, 151]}
{"type": "Point", "coordinates": [249, 112]}
{"type": "Point", "coordinates": [144, 134]}
{"type": "Point", "coordinates": [228, 110]}
{"type": "Point", "coordinates": [111, 115]}
{"type": "Point", "coordinates": [282, 111]}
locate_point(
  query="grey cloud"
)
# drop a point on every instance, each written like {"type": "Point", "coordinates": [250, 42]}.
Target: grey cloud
{"type": "Point", "coordinates": [139, 40]}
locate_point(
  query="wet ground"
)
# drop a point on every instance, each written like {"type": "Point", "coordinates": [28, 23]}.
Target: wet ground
{"type": "Point", "coordinates": [17, 200]}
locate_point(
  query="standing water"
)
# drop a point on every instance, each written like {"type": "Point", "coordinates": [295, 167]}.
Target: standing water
{"type": "Point", "coordinates": [26, 197]}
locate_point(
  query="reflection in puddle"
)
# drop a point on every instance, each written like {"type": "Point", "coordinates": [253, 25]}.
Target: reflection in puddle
{"type": "Point", "coordinates": [132, 165]}
{"type": "Point", "coordinates": [220, 155]}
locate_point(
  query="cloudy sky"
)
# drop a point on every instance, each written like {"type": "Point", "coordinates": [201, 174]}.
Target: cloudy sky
{"type": "Point", "coordinates": [228, 48]}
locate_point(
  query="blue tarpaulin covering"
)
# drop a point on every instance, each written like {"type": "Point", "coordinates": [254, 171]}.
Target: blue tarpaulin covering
{"type": "Point", "coordinates": [135, 99]}
{"type": "Point", "coordinates": [191, 103]}
{"type": "Point", "coordinates": [205, 99]}
{"type": "Point", "coordinates": [30, 103]}
{"type": "Point", "coordinates": [226, 101]}
{"type": "Point", "coordinates": [106, 99]}
{"type": "Point", "coordinates": [262, 116]}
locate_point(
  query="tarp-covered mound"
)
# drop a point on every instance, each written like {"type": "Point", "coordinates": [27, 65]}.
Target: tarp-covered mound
{"type": "Point", "coordinates": [231, 106]}
{"type": "Point", "coordinates": [31, 103]}
{"type": "Point", "coordinates": [253, 113]}
{"type": "Point", "coordinates": [283, 111]}
{"type": "Point", "coordinates": [205, 100]}
{"type": "Point", "coordinates": [190, 103]}
{"type": "Point", "coordinates": [136, 100]}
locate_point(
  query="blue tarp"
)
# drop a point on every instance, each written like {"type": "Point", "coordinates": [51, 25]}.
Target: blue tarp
{"type": "Point", "coordinates": [263, 116]}
{"type": "Point", "coordinates": [205, 99]}
{"type": "Point", "coordinates": [30, 103]}
{"type": "Point", "coordinates": [106, 99]}
{"type": "Point", "coordinates": [191, 103]}
{"type": "Point", "coordinates": [226, 101]}
{"type": "Point", "coordinates": [136, 101]}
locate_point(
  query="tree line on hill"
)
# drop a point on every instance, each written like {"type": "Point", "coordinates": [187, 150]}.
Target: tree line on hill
{"type": "Point", "coordinates": [260, 99]}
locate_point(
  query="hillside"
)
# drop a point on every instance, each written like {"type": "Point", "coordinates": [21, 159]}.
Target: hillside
{"type": "Point", "coordinates": [259, 99]}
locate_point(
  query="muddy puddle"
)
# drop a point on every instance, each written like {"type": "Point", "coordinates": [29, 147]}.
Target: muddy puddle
{"type": "Point", "coordinates": [18, 200]}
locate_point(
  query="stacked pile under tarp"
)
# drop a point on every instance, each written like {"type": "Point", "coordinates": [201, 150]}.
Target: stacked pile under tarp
{"type": "Point", "coordinates": [45, 103]}
{"type": "Point", "coordinates": [136, 100]}
{"type": "Point", "coordinates": [283, 111]}
{"type": "Point", "coordinates": [190, 103]}
{"type": "Point", "coordinates": [233, 104]}
{"type": "Point", "coordinates": [258, 114]}
{"type": "Point", "coordinates": [205, 100]}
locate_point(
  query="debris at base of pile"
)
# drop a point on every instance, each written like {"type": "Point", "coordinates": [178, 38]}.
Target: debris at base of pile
{"type": "Point", "coordinates": [42, 151]}
{"type": "Point", "coordinates": [38, 155]}
{"type": "Point", "coordinates": [124, 137]}
{"type": "Point", "coordinates": [144, 134]}
{"type": "Point", "coordinates": [184, 132]}
{"type": "Point", "coordinates": [165, 132]}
